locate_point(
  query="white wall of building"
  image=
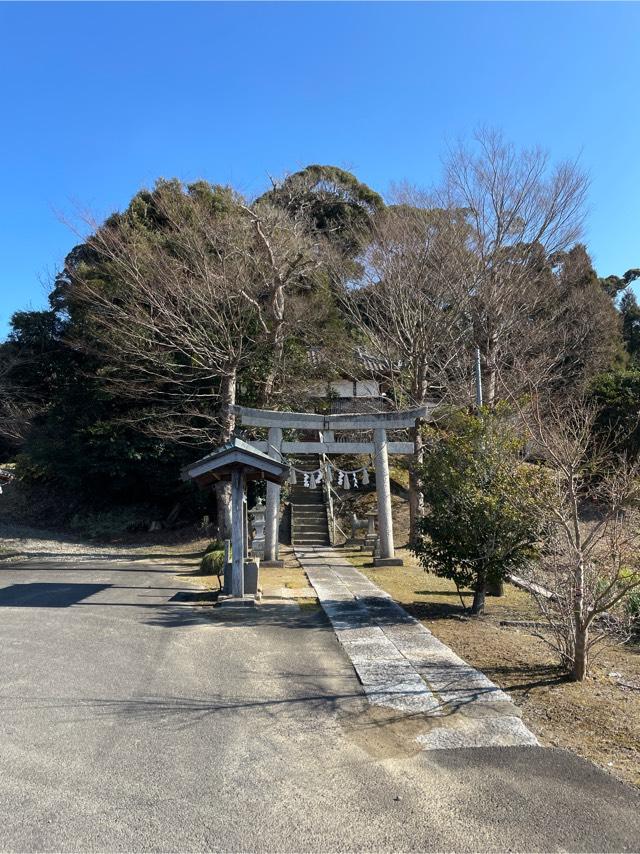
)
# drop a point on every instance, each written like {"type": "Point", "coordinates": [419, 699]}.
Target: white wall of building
{"type": "Point", "coordinates": [347, 389]}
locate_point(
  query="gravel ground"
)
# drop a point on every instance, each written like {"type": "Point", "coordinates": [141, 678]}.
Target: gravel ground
{"type": "Point", "coordinates": [24, 543]}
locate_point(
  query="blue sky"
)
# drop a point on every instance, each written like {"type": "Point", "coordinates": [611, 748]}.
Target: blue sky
{"type": "Point", "coordinates": [100, 99]}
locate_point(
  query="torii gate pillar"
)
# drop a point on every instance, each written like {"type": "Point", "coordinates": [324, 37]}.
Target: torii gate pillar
{"type": "Point", "coordinates": [383, 489]}
{"type": "Point", "coordinates": [271, 556]}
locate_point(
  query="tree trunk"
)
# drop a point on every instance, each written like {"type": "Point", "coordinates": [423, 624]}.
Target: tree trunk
{"type": "Point", "coordinates": [227, 426]}
{"type": "Point", "coordinates": [227, 401]}
{"type": "Point", "coordinates": [416, 497]}
{"type": "Point", "coordinates": [223, 505]}
{"type": "Point", "coordinates": [419, 393]}
{"type": "Point", "coordinates": [579, 668]}
{"type": "Point", "coordinates": [489, 365]}
{"type": "Point", "coordinates": [489, 372]}
{"type": "Point", "coordinates": [479, 595]}
{"type": "Point", "coordinates": [277, 341]}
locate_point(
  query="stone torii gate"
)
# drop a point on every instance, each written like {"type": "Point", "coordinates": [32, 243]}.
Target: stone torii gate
{"type": "Point", "coordinates": [327, 426]}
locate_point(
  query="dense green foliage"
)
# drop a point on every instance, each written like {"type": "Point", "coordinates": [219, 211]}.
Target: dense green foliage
{"type": "Point", "coordinates": [333, 201]}
{"type": "Point", "coordinates": [616, 396]}
{"type": "Point", "coordinates": [80, 441]}
{"type": "Point", "coordinates": [484, 505]}
{"type": "Point", "coordinates": [630, 313]}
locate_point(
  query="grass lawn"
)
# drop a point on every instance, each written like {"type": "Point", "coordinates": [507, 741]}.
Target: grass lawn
{"type": "Point", "coordinates": [598, 719]}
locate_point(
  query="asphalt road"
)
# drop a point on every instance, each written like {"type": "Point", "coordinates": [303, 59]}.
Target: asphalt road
{"type": "Point", "coordinates": [131, 722]}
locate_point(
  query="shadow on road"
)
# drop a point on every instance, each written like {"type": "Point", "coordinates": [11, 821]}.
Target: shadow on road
{"type": "Point", "coordinates": [88, 564]}
{"type": "Point", "coordinates": [47, 595]}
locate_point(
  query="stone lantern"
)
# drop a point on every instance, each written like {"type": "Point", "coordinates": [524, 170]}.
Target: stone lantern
{"type": "Point", "coordinates": [258, 521]}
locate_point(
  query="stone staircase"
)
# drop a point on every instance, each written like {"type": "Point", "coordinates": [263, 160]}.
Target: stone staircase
{"type": "Point", "coordinates": [309, 525]}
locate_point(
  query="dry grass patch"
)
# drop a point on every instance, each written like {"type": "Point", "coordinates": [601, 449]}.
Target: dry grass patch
{"type": "Point", "coordinates": [288, 582]}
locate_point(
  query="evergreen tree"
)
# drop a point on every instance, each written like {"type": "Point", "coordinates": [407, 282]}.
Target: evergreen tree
{"type": "Point", "coordinates": [630, 313]}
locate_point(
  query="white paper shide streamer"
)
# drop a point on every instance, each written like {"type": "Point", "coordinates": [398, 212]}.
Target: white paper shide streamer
{"type": "Point", "coordinates": [313, 479]}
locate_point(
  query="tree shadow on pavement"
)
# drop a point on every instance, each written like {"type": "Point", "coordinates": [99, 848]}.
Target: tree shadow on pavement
{"type": "Point", "coordinates": [288, 615]}
{"type": "Point", "coordinates": [99, 555]}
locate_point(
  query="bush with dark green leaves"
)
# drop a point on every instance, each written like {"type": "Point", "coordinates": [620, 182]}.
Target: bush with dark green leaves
{"type": "Point", "coordinates": [616, 396]}
{"type": "Point", "coordinates": [485, 506]}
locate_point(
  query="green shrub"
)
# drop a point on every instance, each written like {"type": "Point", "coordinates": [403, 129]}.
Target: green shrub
{"type": "Point", "coordinates": [215, 546]}
{"type": "Point", "coordinates": [632, 607]}
{"type": "Point", "coordinates": [212, 562]}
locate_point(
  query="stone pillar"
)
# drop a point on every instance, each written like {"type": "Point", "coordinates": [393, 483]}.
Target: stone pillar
{"type": "Point", "coordinates": [245, 527]}
{"type": "Point", "coordinates": [237, 534]}
{"type": "Point", "coordinates": [383, 489]}
{"type": "Point", "coordinates": [273, 502]}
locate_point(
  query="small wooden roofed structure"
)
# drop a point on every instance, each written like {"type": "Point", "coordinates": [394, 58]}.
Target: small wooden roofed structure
{"type": "Point", "coordinates": [236, 455]}
{"type": "Point", "coordinates": [236, 461]}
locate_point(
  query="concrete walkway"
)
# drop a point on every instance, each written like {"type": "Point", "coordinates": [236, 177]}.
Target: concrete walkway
{"type": "Point", "coordinates": [403, 666]}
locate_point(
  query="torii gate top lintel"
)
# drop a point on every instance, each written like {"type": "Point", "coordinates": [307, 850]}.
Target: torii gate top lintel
{"type": "Point", "coordinates": [312, 421]}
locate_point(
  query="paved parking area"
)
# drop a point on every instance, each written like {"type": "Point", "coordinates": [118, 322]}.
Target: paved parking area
{"type": "Point", "coordinates": [131, 721]}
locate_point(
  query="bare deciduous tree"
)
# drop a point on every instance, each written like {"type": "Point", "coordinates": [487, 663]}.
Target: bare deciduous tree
{"type": "Point", "coordinates": [408, 309]}
{"type": "Point", "coordinates": [192, 303]}
{"type": "Point", "coordinates": [592, 559]}
{"type": "Point", "coordinates": [178, 318]}
{"type": "Point", "coordinates": [17, 407]}
{"type": "Point", "coordinates": [187, 307]}
{"type": "Point", "coordinates": [284, 254]}
{"type": "Point", "coordinates": [519, 211]}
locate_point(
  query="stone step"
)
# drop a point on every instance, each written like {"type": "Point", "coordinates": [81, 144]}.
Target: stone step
{"type": "Point", "coordinates": [320, 528]}
{"type": "Point", "coordinates": [309, 525]}
{"type": "Point", "coordinates": [308, 509]}
{"type": "Point", "coordinates": [313, 543]}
